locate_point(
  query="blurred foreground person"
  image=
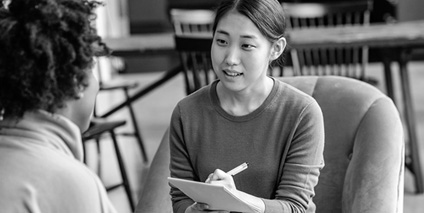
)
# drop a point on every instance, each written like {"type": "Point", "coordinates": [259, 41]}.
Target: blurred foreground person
{"type": "Point", "coordinates": [47, 96]}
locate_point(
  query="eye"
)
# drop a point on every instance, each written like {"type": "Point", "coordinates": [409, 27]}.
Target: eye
{"type": "Point", "coordinates": [221, 42]}
{"type": "Point", "coordinates": [248, 46]}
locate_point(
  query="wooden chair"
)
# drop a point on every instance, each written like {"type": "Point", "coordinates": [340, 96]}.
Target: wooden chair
{"type": "Point", "coordinates": [192, 21]}
{"type": "Point", "coordinates": [99, 128]}
{"type": "Point", "coordinates": [193, 32]}
{"type": "Point", "coordinates": [125, 87]}
{"type": "Point", "coordinates": [350, 62]}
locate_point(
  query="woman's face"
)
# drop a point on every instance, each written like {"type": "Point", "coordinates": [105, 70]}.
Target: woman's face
{"type": "Point", "coordinates": [240, 53]}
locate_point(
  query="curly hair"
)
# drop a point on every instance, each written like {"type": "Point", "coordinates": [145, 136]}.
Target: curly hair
{"type": "Point", "coordinates": [47, 48]}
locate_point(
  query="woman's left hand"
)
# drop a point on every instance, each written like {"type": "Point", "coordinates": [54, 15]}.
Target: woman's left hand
{"type": "Point", "coordinates": [219, 177]}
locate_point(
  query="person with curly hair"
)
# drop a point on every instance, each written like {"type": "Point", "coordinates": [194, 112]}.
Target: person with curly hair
{"type": "Point", "coordinates": [47, 96]}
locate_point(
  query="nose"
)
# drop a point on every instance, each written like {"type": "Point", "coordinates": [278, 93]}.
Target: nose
{"type": "Point", "coordinates": [232, 57]}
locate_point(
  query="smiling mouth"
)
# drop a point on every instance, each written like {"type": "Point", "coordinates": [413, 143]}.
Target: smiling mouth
{"type": "Point", "coordinates": [232, 74]}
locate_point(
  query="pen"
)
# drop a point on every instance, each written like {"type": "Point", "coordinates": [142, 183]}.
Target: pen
{"type": "Point", "coordinates": [238, 169]}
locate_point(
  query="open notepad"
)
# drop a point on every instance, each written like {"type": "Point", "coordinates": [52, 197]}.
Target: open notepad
{"type": "Point", "coordinates": [217, 197]}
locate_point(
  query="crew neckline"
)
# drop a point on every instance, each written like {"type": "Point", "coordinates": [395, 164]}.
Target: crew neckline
{"type": "Point", "coordinates": [216, 104]}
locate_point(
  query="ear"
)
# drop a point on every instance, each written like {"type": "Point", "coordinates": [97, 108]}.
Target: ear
{"type": "Point", "coordinates": [278, 48]}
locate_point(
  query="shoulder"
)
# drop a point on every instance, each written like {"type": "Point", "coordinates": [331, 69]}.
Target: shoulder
{"type": "Point", "coordinates": [199, 95]}
{"type": "Point", "coordinates": [196, 100]}
{"type": "Point", "coordinates": [55, 181]}
{"type": "Point", "coordinates": [293, 96]}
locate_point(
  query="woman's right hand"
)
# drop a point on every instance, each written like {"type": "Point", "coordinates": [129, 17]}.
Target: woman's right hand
{"type": "Point", "coordinates": [201, 207]}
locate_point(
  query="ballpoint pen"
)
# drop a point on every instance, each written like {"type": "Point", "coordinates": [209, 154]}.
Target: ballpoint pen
{"type": "Point", "coordinates": [238, 169]}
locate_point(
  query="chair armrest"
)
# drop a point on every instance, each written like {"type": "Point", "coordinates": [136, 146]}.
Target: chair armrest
{"type": "Point", "coordinates": [118, 85]}
{"type": "Point", "coordinates": [374, 179]}
{"type": "Point", "coordinates": [155, 197]}
{"type": "Point", "coordinates": [98, 126]}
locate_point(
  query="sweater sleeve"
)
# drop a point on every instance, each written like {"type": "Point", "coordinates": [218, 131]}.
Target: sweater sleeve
{"type": "Point", "coordinates": [180, 164]}
{"type": "Point", "coordinates": [302, 165]}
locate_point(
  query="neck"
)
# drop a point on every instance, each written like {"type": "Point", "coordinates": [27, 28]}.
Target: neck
{"type": "Point", "coordinates": [243, 102]}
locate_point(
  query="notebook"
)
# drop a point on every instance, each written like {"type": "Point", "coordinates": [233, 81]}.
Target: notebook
{"type": "Point", "coordinates": [217, 197]}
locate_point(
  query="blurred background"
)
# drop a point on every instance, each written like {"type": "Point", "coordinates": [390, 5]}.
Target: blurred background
{"type": "Point", "coordinates": [148, 16]}
{"type": "Point", "coordinates": [127, 18]}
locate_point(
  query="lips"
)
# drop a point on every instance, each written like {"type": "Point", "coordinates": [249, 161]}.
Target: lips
{"type": "Point", "coordinates": [232, 73]}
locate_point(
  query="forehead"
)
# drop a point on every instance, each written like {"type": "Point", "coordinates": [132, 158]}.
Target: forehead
{"type": "Point", "coordinates": [236, 24]}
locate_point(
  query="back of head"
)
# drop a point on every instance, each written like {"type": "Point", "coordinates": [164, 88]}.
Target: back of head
{"type": "Point", "coordinates": [267, 15]}
{"type": "Point", "coordinates": [47, 49]}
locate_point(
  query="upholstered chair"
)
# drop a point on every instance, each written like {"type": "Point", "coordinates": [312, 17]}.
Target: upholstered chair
{"type": "Point", "coordinates": [364, 151]}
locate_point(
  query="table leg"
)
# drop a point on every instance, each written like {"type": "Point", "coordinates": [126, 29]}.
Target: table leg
{"type": "Point", "coordinates": [415, 164]}
{"type": "Point", "coordinates": [388, 78]}
{"type": "Point", "coordinates": [167, 76]}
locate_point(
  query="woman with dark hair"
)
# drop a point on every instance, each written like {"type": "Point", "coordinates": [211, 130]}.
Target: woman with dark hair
{"type": "Point", "coordinates": [247, 116]}
{"type": "Point", "coordinates": [47, 96]}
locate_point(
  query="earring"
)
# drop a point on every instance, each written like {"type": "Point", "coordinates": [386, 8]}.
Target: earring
{"type": "Point", "coordinates": [80, 95]}
{"type": "Point", "coordinates": [5, 4]}
{"type": "Point", "coordinates": [1, 114]}
{"type": "Point", "coordinates": [80, 92]}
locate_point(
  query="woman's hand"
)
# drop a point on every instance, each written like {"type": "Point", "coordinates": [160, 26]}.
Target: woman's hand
{"type": "Point", "coordinates": [219, 177]}
{"type": "Point", "coordinates": [201, 207]}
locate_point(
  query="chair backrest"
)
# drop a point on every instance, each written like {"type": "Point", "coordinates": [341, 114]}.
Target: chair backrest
{"type": "Point", "coordinates": [192, 21]}
{"type": "Point", "coordinates": [350, 62]}
{"type": "Point", "coordinates": [364, 151]}
{"type": "Point", "coordinates": [364, 146]}
{"type": "Point", "coordinates": [193, 33]}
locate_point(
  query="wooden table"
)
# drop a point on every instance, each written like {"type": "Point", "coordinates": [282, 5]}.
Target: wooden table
{"type": "Point", "coordinates": [402, 34]}
{"type": "Point", "coordinates": [396, 42]}
{"type": "Point", "coordinates": [398, 39]}
{"type": "Point", "coordinates": [142, 44]}
{"type": "Point", "coordinates": [157, 43]}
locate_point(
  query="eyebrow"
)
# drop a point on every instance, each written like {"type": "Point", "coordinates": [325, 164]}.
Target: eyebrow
{"type": "Point", "coordinates": [242, 36]}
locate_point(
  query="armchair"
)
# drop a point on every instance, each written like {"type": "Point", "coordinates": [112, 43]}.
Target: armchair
{"type": "Point", "coordinates": [364, 151]}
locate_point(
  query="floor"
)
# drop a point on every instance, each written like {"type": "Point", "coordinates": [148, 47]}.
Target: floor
{"type": "Point", "coordinates": [154, 111]}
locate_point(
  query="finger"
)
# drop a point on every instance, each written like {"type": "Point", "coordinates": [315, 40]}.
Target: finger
{"type": "Point", "coordinates": [218, 175]}
{"type": "Point", "coordinates": [209, 178]}
{"type": "Point", "coordinates": [201, 206]}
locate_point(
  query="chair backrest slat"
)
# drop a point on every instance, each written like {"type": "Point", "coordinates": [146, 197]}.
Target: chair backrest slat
{"type": "Point", "coordinates": [193, 44]}
{"type": "Point", "coordinates": [341, 61]}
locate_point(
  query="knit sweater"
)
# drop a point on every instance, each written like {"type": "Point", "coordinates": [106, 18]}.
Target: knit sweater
{"type": "Point", "coordinates": [41, 168]}
{"type": "Point", "coordinates": [282, 140]}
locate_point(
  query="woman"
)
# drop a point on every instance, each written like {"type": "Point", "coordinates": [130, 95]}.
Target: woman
{"type": "Point", "coordinates": [47, 95]}
{"type": "Point", "coordinates": [246, 116]}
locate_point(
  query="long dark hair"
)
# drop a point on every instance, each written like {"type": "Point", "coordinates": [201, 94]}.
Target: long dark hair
{"type": "Point", "coordinates": [47, 48]}
{"type": "Point", "coordinates": [267, 15]}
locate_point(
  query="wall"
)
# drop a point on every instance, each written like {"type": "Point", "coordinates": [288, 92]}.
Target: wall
{"type": "Point", "coordinates": [410, 10]}
{"type": "Point", "coordinates": [148, 16]}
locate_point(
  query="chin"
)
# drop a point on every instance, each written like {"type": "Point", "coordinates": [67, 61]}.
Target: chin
{"type": "Point", "coordinates": [233, 86]}
{"type": "Point", "coordinates": [85, 126]}
{"type": "Point", "coordinates": [86, 123]}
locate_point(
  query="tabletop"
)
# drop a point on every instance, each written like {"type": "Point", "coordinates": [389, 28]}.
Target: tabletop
{"type": "Point", "coordinates": [404, 34]}
{"type": "Point", "coordinates": [375, 35]}
{"type": "Point", "coordinates": [142, 43]}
